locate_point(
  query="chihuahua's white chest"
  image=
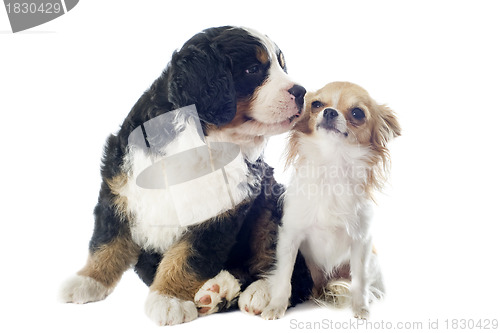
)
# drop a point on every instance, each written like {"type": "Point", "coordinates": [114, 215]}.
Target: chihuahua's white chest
{"type": "Point", "coordinates": [327, 209]}
{"type": "Point", "coordinates": [326, 248]}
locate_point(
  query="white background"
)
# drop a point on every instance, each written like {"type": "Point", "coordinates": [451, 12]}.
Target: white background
{"type": "Point", "coordinates": [67, 84]}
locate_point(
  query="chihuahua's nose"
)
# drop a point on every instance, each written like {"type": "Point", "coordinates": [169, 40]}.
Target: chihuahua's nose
{"type": "Point", "coordinates": [330, 114]}
{"type": "Point", "coordinates": [298, 92]}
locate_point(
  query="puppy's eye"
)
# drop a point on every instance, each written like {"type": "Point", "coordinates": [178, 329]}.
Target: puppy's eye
{"type": "Point", "coordinates": [252, 70]}
{"type": "Point", "coordinates": [316, 104]}
{"type": "Point", "coordinates": [358, 114]}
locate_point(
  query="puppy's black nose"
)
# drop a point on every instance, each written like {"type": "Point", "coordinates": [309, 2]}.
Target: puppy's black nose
{"type": "Point", "coordinates": [298, 92]}
{"type": "Point", "coordinates": [330, 114]}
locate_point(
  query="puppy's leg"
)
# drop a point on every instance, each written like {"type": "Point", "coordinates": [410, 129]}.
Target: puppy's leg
{"type": "Point", "coordinates": [171, 295]}
{"type": "Point", "coordinates": [102, 272]}
{"type": "Point", "coordinates": [263, 239]}
{"type": "Point", "coordinates": [279, 281]}
{"type": "Point", "coordinates": [112, 252]}
{"type": "Point", "coordinates": [197, 258]}
{"type": "Point", "coordinates": [178, 294]}
{"type": "Point", "coordinates": [360, 251]}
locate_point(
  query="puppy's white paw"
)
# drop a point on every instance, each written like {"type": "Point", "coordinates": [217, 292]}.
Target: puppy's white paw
{"type": "Point", "coordinates": [83, 289]}
{"type": "Point", "coordinates": [255, 297]}
{"type": "Point", "coordinates": [217, 293]}
{"type": "Point", "coordinates": [165, 310]}
{"type": "Point", "coordinates": [275, 310]}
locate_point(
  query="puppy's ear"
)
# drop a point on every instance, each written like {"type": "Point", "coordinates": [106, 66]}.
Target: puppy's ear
{"type": "Point", "coordinates": [201, 75]}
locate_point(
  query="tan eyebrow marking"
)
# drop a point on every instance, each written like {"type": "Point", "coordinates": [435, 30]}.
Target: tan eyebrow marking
{"type": "Point", "coordinates": [262, 55]}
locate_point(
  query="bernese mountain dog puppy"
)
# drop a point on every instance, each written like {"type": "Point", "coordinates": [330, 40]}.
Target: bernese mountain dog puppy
{"type": "Point", "coordinates": [237, 80]}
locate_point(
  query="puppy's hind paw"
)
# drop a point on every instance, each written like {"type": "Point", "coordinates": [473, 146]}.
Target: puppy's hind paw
{"type": "Point", "coordinates": [217, 294]}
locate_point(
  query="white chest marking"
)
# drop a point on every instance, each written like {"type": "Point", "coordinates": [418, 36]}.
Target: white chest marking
{"type": "Point", "coordinates": [161, 215]}
{"type": "Point", "coordinates": [325, 205]}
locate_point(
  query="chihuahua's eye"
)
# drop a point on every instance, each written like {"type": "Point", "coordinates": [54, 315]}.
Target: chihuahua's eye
{"type": "Point", "coordinates": [252, 70]}
{"type": "Point", "coordinates": [358, 114]}
{"type": "Point", "coordinates": [316, 104]}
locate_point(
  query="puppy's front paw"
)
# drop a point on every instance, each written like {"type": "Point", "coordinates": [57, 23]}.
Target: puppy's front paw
{"type": "Point", "coordinates": [83, 289]}
{"type": "Point", "coordinates": [217, 293]}
{"type": "Point", "coordinates": [255, 298]}
{"type": "Point", "coordinates": [274, 311]}
{"type": "Point", "coordinates": [165, 310]}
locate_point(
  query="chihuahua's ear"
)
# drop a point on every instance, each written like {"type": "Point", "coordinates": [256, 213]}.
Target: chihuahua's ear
{"type": "Point", "coordinates": [391, 122]}
{"type": "Point", "coordinates": [386, 129]}
{"type": "Point", "coordinates": [389, 127]}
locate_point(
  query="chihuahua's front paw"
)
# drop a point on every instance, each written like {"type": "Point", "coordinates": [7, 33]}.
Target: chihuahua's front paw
{"type": "Point", "coordinates": [255, 298]}
{"type": "Point", "coordinates": [361, 312]}
{"type": "Point", "coordinates": [360, 303]}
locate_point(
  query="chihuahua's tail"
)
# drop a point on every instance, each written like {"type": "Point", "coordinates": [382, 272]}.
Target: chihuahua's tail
{"type": "Point", "coordinates": [337, 292]}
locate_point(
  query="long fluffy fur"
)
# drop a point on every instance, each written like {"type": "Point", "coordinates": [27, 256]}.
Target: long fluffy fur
{"type": "Point", "coordinates": [339, 144]}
